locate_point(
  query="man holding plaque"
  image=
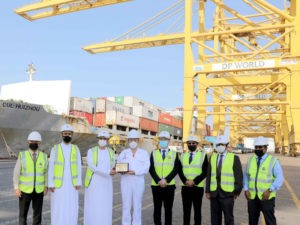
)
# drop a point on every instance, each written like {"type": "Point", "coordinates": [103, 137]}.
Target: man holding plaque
{"type": "Point", "coordinates": [133, 164]}
{"type": "Point", "coordinates": [98, 199]}
{"type": "Point", "coordinates": [164, 165]}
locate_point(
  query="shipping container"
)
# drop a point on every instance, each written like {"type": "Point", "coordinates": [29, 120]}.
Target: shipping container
{"type": "Point", "coordinates": [164, 127]}
{"type": "Point", "coordinates": [99, 120]}
{"type": "Point", "coordinates": [112, 99]}
{"type": "Point", "coordinates": [177, 132]}
{"type": "Point", "coordinates": [118, 118]}
{"type": "Point", "coordinates": [207, 133]}
{"type": "Point", "coordinates": [100, 105]}
{"type": "Point", "coordinates": [131, 101]}
{"type": "Point", "coordinates": [165, 118]}
{"type": "Point", "coordinates": [88, 116]}
{"type": "Point", "coordinates": [113, 106]}
{"type": "Point", "coordinates": [149, 125]}
{"type": "Point", "coordinates": [82, 105]}
{"type": "Point", "coordinates": [177, 123]}
{"type": "Point", "coordinates": [145, 112]}
{"type": "Point", "coordinates": [120, 100]}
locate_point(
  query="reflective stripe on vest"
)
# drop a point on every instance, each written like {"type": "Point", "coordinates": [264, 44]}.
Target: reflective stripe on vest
{"type": "Point", "coordinates": [59, 162]}
{"type": "Point", "coordinates": [89, 173]}
{"type": "Point", "coordinates": [163, 167]}
{"type": "Point", "coordinates": [29, 170]}
{"type": "Point", "coordinates": [265, 176]}
{"type": "Point", "coordinates": [227, 175]}
{"type": "Point", "coordinates": [191, 171]}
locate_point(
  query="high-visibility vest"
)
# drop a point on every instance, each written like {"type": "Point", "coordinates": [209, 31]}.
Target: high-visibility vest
{"type": "Point", "coordinates": [59, 163]}
{"type": "Point", "coordinates": [163, 167]}
{"type": "Point", "coordinates": [89, 173]}
{"type": "Point", "coordinates": [227, 174]}
{"type": "Point", "coordinates": [265, 176]}
{"type": "Point", "coordinates": [194, 169]}
{"type": "Point", "coordinates": [32, 175]}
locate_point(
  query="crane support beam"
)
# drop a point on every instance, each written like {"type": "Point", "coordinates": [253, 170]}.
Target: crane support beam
{"type": "Point", "coordinates": [48, 8]}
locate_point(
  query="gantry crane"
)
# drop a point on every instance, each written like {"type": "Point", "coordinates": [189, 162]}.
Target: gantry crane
{"type": "Point", "coordinates": [249, 64]}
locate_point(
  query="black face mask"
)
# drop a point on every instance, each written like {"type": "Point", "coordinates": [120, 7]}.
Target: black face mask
{"type": "Point", "coordinates": [192, 148]}
{"type": "Point", "coordinates": [67, 139]}
{"type": "Point", "coordinates": [33, 146]}
{"type": "Point", "coordinates": [259, 152]}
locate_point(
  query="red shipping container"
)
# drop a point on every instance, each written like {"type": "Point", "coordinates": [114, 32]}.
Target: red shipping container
{"type": "Point", "coordinates": [207, 133]}
{"type": "Point", "coordinates": [99, 120]}
{"type": "Point", "coordinates": [150, 125]}
{"type": "Point", "coordinates": [165, 118]}
{"type": "Point", "coordinates": [177, 123]}
{"type": "Point", "coordinates": [88, 116]}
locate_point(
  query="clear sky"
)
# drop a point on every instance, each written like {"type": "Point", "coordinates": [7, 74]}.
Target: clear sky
{"type": "Point", "coordinates": [54, 46]}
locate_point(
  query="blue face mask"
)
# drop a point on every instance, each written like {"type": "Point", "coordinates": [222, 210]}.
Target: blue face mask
{"type": "Point", "coordinates": [163, 144]}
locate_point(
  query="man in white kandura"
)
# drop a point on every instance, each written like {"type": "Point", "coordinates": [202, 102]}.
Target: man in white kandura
{"type": "Point", "coordinates": [132, 182]}
{"type": "Point", "coordinates": [98, 200]}
{"type": "Point", "coordinates": [64, 179]}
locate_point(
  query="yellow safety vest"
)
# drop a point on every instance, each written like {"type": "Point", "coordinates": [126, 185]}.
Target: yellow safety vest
{"type": "Point", "coordinates": [227, 174]}
{"type": "Point", "coordinates": [59, 162]}
{"type": "Point", "coordinates": [265, 176]}
{"type": "Point", "coordinates": [32, 175]}
{"type": "Point", "coordinates": [163, 167]}
{"type": "Point", "coordinates": [89, 173]}
{"type": "Point", "coordinates": [191, 171]}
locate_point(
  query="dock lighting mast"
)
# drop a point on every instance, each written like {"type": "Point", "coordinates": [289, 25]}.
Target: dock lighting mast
{"type": "Point", "coordinates": [31, 71]}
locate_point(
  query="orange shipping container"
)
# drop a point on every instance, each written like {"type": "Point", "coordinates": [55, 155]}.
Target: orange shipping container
{"type": "Point", "coordinates": [165, 118]}
{"type": "Point", "coordinates": [176, 123]}
{"type": "Point", "coordinates": [99, 120]}
{"type": "Point", "coordinates": [150, 125]}
{"type": "Point", "coordinates": [88, 116]}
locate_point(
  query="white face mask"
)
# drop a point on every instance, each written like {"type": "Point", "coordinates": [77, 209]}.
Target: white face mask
{"type": "Point", "coordinates": [102, 143]}
{"type": "Point", "coordinates": [133, 144]}
{"type": "Point", "coordinates": [221, 149]}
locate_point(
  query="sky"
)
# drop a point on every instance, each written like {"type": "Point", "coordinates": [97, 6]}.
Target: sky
{"type": "Point", "coordinates": [54, 46]}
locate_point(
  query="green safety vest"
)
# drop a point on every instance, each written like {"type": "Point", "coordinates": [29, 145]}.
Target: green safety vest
{"type": "Point", "coordinates": [89, 173]}
{"type": "Point", "coordinates": [265, 176]}
{"type": "Point", "coordinates": [59, 162]}
{"type": "Point", "coordinates": [32, 175]}
{"type": "Point", "coordinates": [227, 174]}
{"type": "Point", "coordinates": [163, 167]}
{"type": "Point", "coordinates": [194, 169]}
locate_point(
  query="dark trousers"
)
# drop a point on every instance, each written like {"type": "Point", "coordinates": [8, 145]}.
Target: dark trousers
{"type": "Point", "coordinates": [256, 205]}
{"type": "Point", "coordinates": [37, 205]}
{"type": "Point", "coordinates": [191, 196]}
{"type": "Point", "coordinates": [163, 196]}
{"type": "Point", "coordinates": [219, 205]}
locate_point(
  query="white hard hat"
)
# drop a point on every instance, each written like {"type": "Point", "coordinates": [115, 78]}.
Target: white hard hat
{"type": "Point", "coordinates": [164, 134]}
{"type": "Point", "coordinates": [261, 141]}
{"type": "Point", "coordinates": [66, 127]}
{"type": "Point", "coordinates": [222, 139]}
{"type": "Point", "coordinates": [34, 136]}
{"type": "Point", "coordinates": [103, 133]}
{"type": "Point", "coordinates": [133, 134]}
{"type": "Point", "coordinates": [192, 138]}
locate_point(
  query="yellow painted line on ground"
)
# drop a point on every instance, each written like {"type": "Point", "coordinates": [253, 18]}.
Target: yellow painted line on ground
{"type": "Point", "coordinates": [294, 196]}
{"type": "Point", "coordinates": [263, 220]}
{"type": "Point", "coordinates": [145, 207]}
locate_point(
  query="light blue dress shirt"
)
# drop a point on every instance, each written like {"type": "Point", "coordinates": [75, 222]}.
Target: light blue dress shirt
{"type": "Point", "coordinates": [277, 173]}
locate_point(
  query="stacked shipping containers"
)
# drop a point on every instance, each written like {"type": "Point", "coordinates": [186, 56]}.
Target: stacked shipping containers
{"type": "Point", "coordinates": [81, 108]}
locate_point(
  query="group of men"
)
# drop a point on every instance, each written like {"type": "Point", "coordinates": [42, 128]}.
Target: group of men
{"type": "Point", "coordinates": [33, 175]}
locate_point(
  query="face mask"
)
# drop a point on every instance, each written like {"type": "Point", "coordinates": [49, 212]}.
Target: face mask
{"type": "Point", "coordinates": [67, 139]}
{"type": "Point", "coordinates": [102, 143]}
{"type": "Point", "coordinates": [192, 148]}
{"type": "Point", "coordinates": [259, 153]}
{"type": "Point", "coordinates": [133, 144]}
{"type": "Point", "coordinates": [163, 144]}
{"type": "Point", "coordinates": [33, 146]}
{"type": "Point", "coordinates": [221, 148]}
